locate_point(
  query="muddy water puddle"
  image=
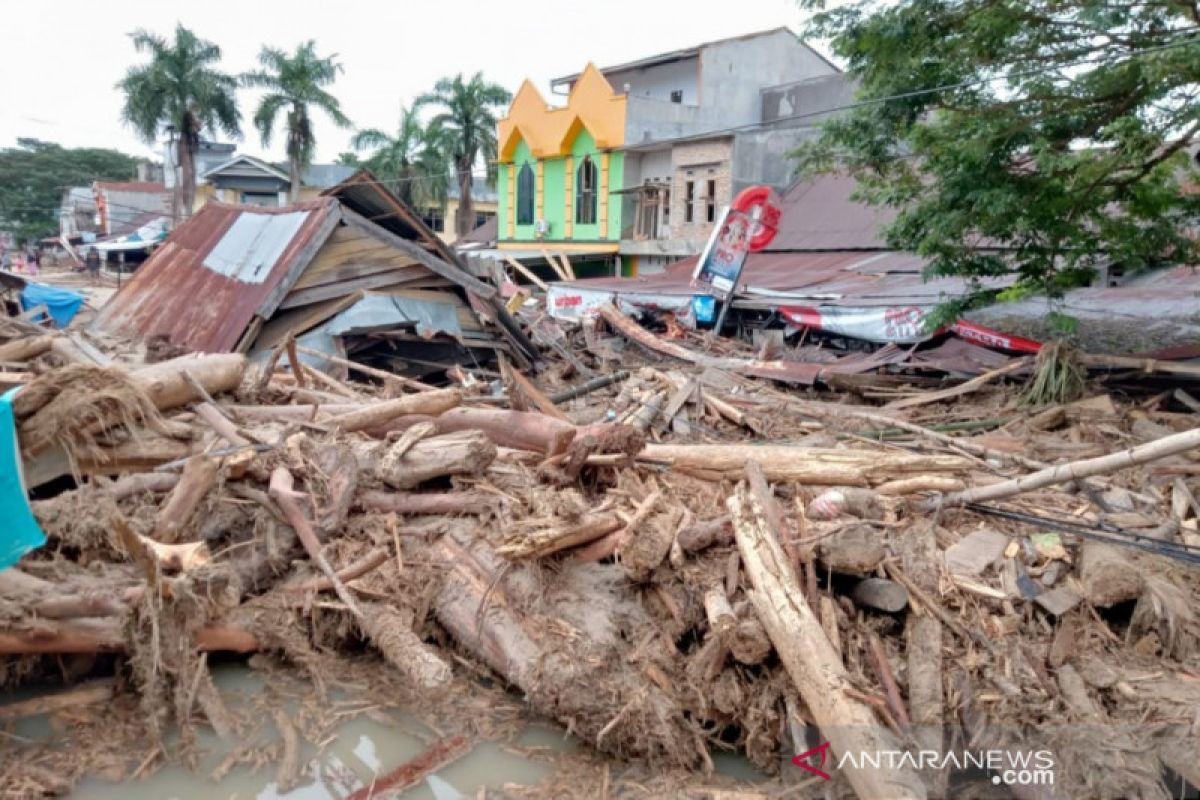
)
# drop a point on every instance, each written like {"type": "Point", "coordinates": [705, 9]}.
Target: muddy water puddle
{"type": "Point", "coordinates": [362, 750]}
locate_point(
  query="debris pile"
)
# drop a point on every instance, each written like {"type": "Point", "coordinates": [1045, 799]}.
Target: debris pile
{"type": "Point", "coordinates": [670, 560]}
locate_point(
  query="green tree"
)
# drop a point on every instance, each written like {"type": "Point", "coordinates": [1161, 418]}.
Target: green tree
{"type": "Point", "coordinates": [181, 89]}
{"type": "Point", "coordinates": [34, 174]}
{"type": "Point", "coordinates": [1026, 138]}
{"type": "Point", "coordinates": [413, 162]}
{"type": "Point", "coordinates": [466, 122]}
{"type": "Point", "coordinates": [295, 83]}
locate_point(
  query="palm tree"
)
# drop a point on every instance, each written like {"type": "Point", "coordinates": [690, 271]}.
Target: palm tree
{"type": "Point", "coordinates": [413, 162]}
{"type": "Point", "coordinates": [179, 91]}
{"type": "Point", "coordinates": [296, 83]}
{"type": "Point", "coordinates": [467, 121]}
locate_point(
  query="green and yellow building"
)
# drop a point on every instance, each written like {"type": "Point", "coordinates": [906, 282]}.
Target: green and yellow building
{"type": "Point", "coordinates": [560, 170]}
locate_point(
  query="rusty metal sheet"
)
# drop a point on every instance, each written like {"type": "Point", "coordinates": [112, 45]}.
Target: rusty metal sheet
{"type": "Point", "coordinates": [216, 271]}
{"type": "Point", "coordinates": [787, 371]}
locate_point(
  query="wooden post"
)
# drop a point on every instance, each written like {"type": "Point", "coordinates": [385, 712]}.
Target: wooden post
{"type": "Point", "coordinates": [809, 658]}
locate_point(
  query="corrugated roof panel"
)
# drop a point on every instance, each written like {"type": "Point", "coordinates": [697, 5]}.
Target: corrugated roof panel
{"type": "Point", "coordinates": [175, 293]}
{"type": "Point", "coordinates": [253, 244]}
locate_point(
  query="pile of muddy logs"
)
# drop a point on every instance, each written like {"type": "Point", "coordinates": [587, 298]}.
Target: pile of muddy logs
{"type": "Point", "coordinates": [661, 597]}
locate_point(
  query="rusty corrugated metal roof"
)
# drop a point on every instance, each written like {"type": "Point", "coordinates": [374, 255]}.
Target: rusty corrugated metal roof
{"type": "Point", "coordinates": [203, 287]}
{"type": "Point", "coordinates": [818, 214]}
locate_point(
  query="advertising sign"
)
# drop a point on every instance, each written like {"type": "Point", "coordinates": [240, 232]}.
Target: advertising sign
{"type": "Point", "coordinates": [747, 226]}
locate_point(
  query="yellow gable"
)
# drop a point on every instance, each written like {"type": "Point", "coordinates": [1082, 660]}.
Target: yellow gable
{"type": "Point", "coordinates": [549, 132]}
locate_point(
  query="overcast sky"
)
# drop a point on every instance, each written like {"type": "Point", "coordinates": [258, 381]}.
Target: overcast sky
{"type": "Point", "coordinates": [62, 59]}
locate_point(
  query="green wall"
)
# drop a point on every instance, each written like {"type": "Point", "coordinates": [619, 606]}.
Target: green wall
{"type": "Point", "coordinates": [554, 200]}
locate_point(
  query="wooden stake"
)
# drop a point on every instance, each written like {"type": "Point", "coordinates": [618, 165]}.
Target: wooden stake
{"type": "Point", "coordinates": [810, 661]}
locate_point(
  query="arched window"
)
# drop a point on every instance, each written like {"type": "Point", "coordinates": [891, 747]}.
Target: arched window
{"type": "Point", "coordinates": [585, 192]}
{"type": "Point", "coordinates": [525, 195]}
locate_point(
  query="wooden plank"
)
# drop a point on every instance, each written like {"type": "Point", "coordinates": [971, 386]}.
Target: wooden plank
{"type": "Point", "coordinates": [527, 272]}
{"type": "Point", "coordinates": [349, 270]}
{"type": "Point", "coordinates": [298, 320]}
{"type": "Point", "coordinates": [448, 270]}
{"type": "Point", "coordinates": [316, 294]}
{"type": "Point", "coordinates": [966, 387]}
{"type": "Point", "coordinates": [566, 265]}
{"type": "Point", "coordinates": [554, 265]}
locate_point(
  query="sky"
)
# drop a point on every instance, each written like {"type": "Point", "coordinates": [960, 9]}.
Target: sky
{"type": "Point", "coordinates": [63, 59]}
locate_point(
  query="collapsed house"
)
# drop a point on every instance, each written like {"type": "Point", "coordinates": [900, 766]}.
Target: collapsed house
{"type": "Point", "coordinates": [352, 273]}
{"type": "Point", "coordinates": [829, 270]}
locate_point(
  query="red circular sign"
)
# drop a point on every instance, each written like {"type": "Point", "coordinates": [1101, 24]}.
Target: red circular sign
{"type": "Point", "coordinates": [761, 204]}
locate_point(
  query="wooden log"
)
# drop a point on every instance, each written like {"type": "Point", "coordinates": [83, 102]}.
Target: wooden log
{"type": "Point", "coordinates": [391, 632]}
{"type": "Point", "coordinates": [26, 348]}
{"type": "Point", "coordinates": [140, 483]}
{"type": "Point", "coordinates": [966, 387]}
{"type": "Point", "coordinates": [107, 635]}
{"type": "Point", "coordinates": [86, 694]}
{"type": "Point", "coordinates": [438, 755]}
{"type": "Point", "coordinates": [288, 499]}
{"type": "Point", "coordinates": [167, 385]}
{"type": "Point", "coordinates": [778, 523]}
{"type": "Point", "coordinates": [464, 452]}
{"type": "Point", "coordinates": [427, 503]}
{"type": "Point", "coordinates": [364, 369]}
{"type": "Point", "coordinates": [478, 605]}
{"type": "Point", "coordinates": [356, 569]}
{"type": "Point", "coordinates": [589, 386]}
{"type": "Point", "coordinates": [748, 642]}
{"type": "Point", "coordinates": [199, 475]}
{"type": "Point", "coordinates": [536, 396]}
{"type": "Point", "coordinates": [705, 533]}
{"type": "Point", "coordinates": [1075, 470]}
{"type": "Point", "coordinates": [521, 430]}
{"type": "Point", "coordinates": [721, 619]}
{"type": "Point", "coordinates": [806, 465]}
{"type": "Point", "coordinates": [376, 414]}
{"type": "Point", "coordinates": [299, 412]}
{"type": "Point", "coordinates": [221, 424]}
{"type": "Point", "coordinates": [339, 469]}
{"type": "Point", "coordinates": [815, 669]}
{"type": "Point", "coordinates": [546, 541]}
{"type": "Point", "coordinates": [920, 483]}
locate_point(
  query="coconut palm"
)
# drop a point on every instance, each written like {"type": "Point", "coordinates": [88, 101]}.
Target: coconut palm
{"type": "Point", "coordinates": [467, 120]}
{"type": "Point", "coordinates": [179, 90]}
{"type": "Point", "coordinates": [413, 162]}
{"type": "Point", "coordinates": [295, 83]}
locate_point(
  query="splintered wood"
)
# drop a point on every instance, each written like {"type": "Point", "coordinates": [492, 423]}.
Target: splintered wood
{"type": "Point", "coordinates": [669, 559]}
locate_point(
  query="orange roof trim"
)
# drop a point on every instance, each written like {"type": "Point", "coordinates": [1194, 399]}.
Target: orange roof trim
{"type": "Point", "coordinates": [550, 132]}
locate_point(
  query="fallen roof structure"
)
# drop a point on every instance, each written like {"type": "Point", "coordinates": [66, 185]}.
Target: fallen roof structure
{"type": "Point", "coordinates": [829, 269]}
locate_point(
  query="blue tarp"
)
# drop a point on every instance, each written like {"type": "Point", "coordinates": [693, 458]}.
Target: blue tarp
{"type": "Point", "coordinates": [19, 531]}
{"type": "Point", "coordinates": [63, 303]}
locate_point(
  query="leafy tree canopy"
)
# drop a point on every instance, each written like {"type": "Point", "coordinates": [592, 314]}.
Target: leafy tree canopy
{"type": "Point", "coordinates": [1034, 137]}
{"type": "Point", "coordinates": [295, 84]}
{"type": "Point", "coordinates": [414, 162]}
{"type": "Point", "coordinates": [34, 174]}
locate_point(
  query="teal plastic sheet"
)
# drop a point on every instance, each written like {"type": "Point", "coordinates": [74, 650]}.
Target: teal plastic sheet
{"type": "Point", "coordinates": [62, 304]}
{"type": "Point", "coordinates": [19, 531]}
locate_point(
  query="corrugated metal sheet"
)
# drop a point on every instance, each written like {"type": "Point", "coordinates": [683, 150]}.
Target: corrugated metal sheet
{"type": "Point", "coordinates": [204, 304]}
{"type": "Point", "coordinates": [818, 214]}
{"type": "Point", "coordinates": [253, 244]}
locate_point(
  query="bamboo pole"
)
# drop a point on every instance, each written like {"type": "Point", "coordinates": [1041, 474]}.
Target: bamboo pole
{"type": "Point", "coordinates": [1075, 470]}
